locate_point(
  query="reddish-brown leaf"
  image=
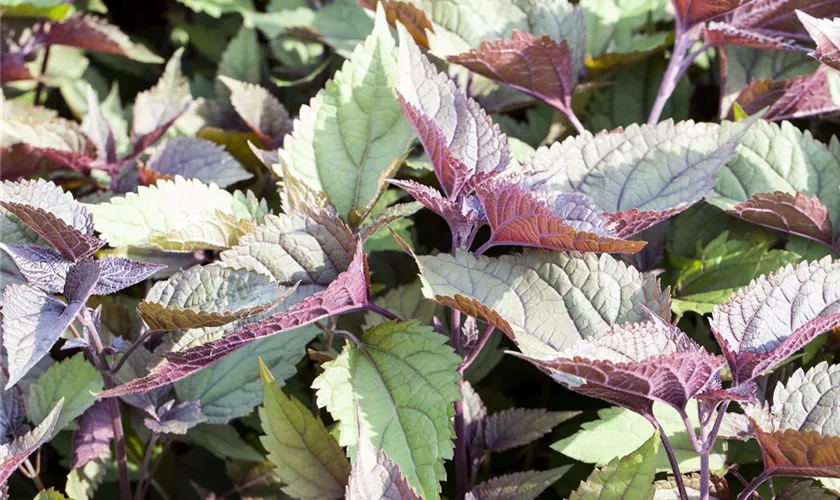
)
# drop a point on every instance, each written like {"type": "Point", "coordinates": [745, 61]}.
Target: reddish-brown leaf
{"type": "Point", "coordinates": [798, 214]}
{"type": "Point", "coordinates": [797, 97]}
{"type": "Point", "coordinates": [93, 33]}
{"type": "Point", "coordinates": [413, 18]}
{"type": "Point", "coordinates": [799, 453]}
{"type": "Point", "coordinates": [691, 12]}
{"type": "Point", "coordinates": [631, 222]}
{"type": "Point", "coordinates": [826, 33]}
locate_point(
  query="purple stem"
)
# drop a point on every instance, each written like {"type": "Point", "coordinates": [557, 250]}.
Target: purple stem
{"type": "Point", "coordinates": [750, 489]}
{"type": "Point", "coordinates": [462, 472]}
{"type": "Point", "coordinates": [477, 350]}
{"type": "Point", "coordinates": [708, 438]}
{"type": "Point", "coordinates": [689, 429]}
{"type": "Point", "coordinates": [677, 66]}
{"type": "Point", "coordinates": [574, 120]}
{"type": "Point", "coordinates": [672, 458]}
{"type": "Point", "coordinates": [483, 248]}
{"type": "Point", "coordinates": [381, 311]}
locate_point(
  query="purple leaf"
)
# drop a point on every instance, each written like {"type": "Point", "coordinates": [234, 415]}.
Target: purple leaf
{"type": "Point", "coordinates": [12, 416]}
{"type": "Point", "coordinates": [718, 33]}
{"type": "Point", "coordinates": [260, 110]}
{"type": "Point", "coordinates": [633, 365]}
{"type": "Point", "coordinates": [81, 280]}
{"type": "Point", "coordinates": [632, 222]}
{"type": "Point", "coordinates": [374, 475]}
{"type": "Point", "coordinates": [826, 34]}
{"type": "Point", "coordinates": [519, 426]}
{"type": "Point", "coordinates": [460, 217]}
{"type": "Point", "coordinates": [42, 267]}
{"type": "Point", "coordinates": [54, 215]}
{"type": "Point", "coordinates": [776, 315]}
{"type": "Point", "coordinates": [176, 419]}
{"type": "Point", "coordinates": [526, 485]}
{"type": "Point", "coordinates": [715, 393]}
{"type": "Point", "coordinates": [518, 218]}
{"type": "Point", "coordinates": [540, 67]}
{"type": "Point", "coordinates": [797, 97]}
{"type": "Point", "coordinates": [460, 139]}
{"type": "Point", "coordinates": [691, 12]}
{"type": "Point", "coordinates": [94, 435]}
{"type": "Point", "coordinates": [349, 292]}
{"type": "Point", "coordinates": [194, 158]}
{"type": "Point", "coordinates": [37, 142]}
{"type": "Point", "coordinates": [14, 453]}
{"type": "Point", "coordinates": [96, 126]}
{"type": "Point", "coordinates": [801, 214]}
{"type": "Point", "coordinates": [92, 33]}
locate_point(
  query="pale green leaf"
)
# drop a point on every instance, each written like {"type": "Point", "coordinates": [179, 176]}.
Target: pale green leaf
{"type": "Point", "coordinates": [83, 481]}
{"type": "Point", "coordinates": [223, 441]}
{"type": "Point", "coordinates": [49, 494]}
{"type": "Point", "coordinates": [612, 24]}
{"type": "Point", "coordinates": [397, 388]}
{"type": "Point", "coordinates": [210, 231]}
{"type": "Point", "coordinates": [780, 157]}
{"type": "Point", "coordinates": [343, 24]}
{"type": "Point", "coordinates": [306, 457]}
{"type": "Point", "coordinates": [241, 60]}
{"type": "Point", "coordinates": [619, 431]}
{"type": "Point", "coordinates": [407, 302]}
{"type": "Point", "coordinates": [144, 218]}
{"type": "Point", "coordinates": [549, 300]}
{"type": "Point", "coordinates": [74, 380]}
{"type": "Point", "coordinates": [216, 8]}
{"type": "Point", "coordinates": [625, 478]}
{"type": "Point", "coordinates": [205, 296]}
{"type": "Point", "coordinates": [353, 130]}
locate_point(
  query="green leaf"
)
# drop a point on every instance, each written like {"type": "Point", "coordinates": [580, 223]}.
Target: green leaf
{"type": "Point", "coordinates": [206, 296]}
{"type": "Point", "coordinates": [223, 441]}
{"type": "Point", "coordinates": [75, 380]}
{"type": "Point", "coordinates": [306, 457]}
{"type": "Point", "coordinates": [343, 25]}
{"type": "Point", "coordinates": [407, 302]}
{"type": "Point", "coordinates": [628, 477]}
{"type": "Point", "coordinates": [49, 494]}
{"type": "Point", "coordinates": [724, 266]}
{"type": "Point", "coordinates": [546, 301]}
{"type": "Point", "coordinates": [353, 131]}
{"type": "Point", "coordinates": [178, 207]}
{"type": "Point", "coordinates": [216, 8]}
{"type": "Point", "coordinates": [611, 25]}
{"type": "Point", "coordinates": [619, 431]}
{"type": "Point", "coordinates": [630, 97]}
{"type": "Point", "coordinates": [775, 157]}
{"type": "Point", "coordinates": [397, 387]}
{"type": "Point", "coordinates": [241, 60]}
{"type": "Point", "coordinates": [83, 481]}
{"type": "Point", "coordinates": [231, 388]}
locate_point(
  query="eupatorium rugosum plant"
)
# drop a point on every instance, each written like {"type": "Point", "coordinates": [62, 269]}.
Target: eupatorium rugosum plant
{"type": "Point", "coordinates": [160, 304]}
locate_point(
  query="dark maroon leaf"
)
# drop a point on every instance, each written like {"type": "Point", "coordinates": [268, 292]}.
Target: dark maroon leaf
{"type": "Point", "coordinates": [13, 67]}
{"type": "Point", "coordinates": [718, 33]}
{"type": "Point", "coordinates": [798, 214]}
{"type": "Point", "coordinates": [12, 416]}
{"type": "Point", "coordinates": [92, 33]}
{"type": "Point", "coordinates": [518, 218]}
{"type": "Point", "coordinates": [776, 315]}
{"type": "Point", "coordinates": [95, 433]}
{"type": "Point", "coordinates": [826, 34]}
{"type": "Point", "coordinates": [349, 292]}
{"type": "Point", "coordinates": [797, 97]}
{"type": "Point", "coordinates": [540, 67]}
{"type": "Point", "coordinates": [691, 12]}
{"type": "Point", "coordinates": [176, 419]}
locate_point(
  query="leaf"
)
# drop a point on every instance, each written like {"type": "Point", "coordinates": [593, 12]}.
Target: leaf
{"type": "Point", "coordinates": [526, 485]}
{"type": "Point", "coordinates": [635, 365]}
{"type": "Point", "coordinates": [231, 388]}
{"type": "Point", "coordinates": [461, 140]}
{"type": "Point", "coordinates": [390, 214]}
{"type": "Point", "coordinates": [648, 167]}
{"type": "Point", "coordinates": [117, 273]}
{"type": "Point", "coordinates": [612, 26]}
{"type": "Point", "coordinates": [804, 490]}
{"type": "Point", "coordinates": [725, 265]}
{"type": "Point", "coordinates": [826, 34]}
{"type": "Point", "coordinates": [32, 323]}
{"type": "Point", "coordinates": [223, 441]}
{"type": "Point", "coordinates": [776, 315]}
{"type": "Point", "coordinates": [156, 109]}
{"type": "Point", "coordinates": [347, 293]}
{"type": "Point", "coordinates": [628, 477]}
{"type": "Point", "coordinates": [93, 436]}
{"type": "Point", "coordinates": [53, 215]}
{"type": "Point", "coordinates": [412, 18]}
{"type": "Point", "coordinates": [306, 457]}
{"type": "Point", "coordinates": [210, 295]}
{"type": "Point", "coordinates": [407, 302]}
{"type": "Point", "coordinates": [197, 159]}
{"type": "Point", "coordinates": [73, 381]}
{"type": "Point", "coordinates": [538, 66]}
{"type": "Point", "coordinates": [93, 33]}
{"type": "Point", "coordinates": [799, 453]}
{"type": "Point", "coordinates": [461, 216]}
{"type": "Point", "coordinates": [311, 247]}
{"type": "Point", "coordinates": [176, 206]}
{"type": "Point", "coordinates": [260, 110]}
{"type": "Point", "coordinates": [798, 97]}
{"type": "Point", "coordinates": [807, 400]}
{"type": "Point", "coordinates": [360, 129]}
{"type": "Point", "coordinates": [518, 218]}
{"type": "Point", "coordinates": [690, 12]}
{"type": "Point", "coordinates": [619, 431]}
{"type": "Point", "coordinates": [215, 8]}
{"type": "Point", "coordinates": [241, 60]}
{"type": "Point", "coordinates": [397, 388]}
{"type": "Point", "coordinates": [376, 476]}
{"type": "Point", "coordinates": [775, 157]}
{"type": "Point", "coordinates": [523, 291]}
{"type": "Point", "coordinates": [14, 453]}
{"type": "Point", "coordinates": [96, 126]}
{"type": "Point", "coordinates": [516, 427]}
{"type": "Point", "coordinates": [176, 418]}
{"type": "Point", "coordinates": [798, 214]}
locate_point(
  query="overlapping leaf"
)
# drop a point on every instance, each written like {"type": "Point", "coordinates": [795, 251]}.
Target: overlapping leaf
{"type": "Point", "coordinates": [94, 434]}
{"type": "Point", "coordinates": [544, 301]}
{"type": "Point", "coordinates": [352, 132]}
{"type": "Point", "coordinates": [628, 477]}
{"type": "Point", "coordinates": [797, 214]}
{"type": "Point", "coordinates": [157, 108]}
{"type": "Point", "coordinates": [519, 426]}
{"type": "Point", "coordinates": [635, 365]}
{"type": "Point", "coordinates": [73, 381]}
{"type": "Point", "coordinates": [50, 213]}
{"type": "Point", "coordinates": [194, 158]}
{"type": "Point", "coordinates": [13, 454]}
{"type": "Point", "coordinates": [348, 292]}
{"type": "Point", "coordinates": [260, 110]}
{"type": "Point", "coordinates": [798, 97]}
{"type": "Point", "coordinates": [93, 33]}
{"type": "Point", "coordinates": [171, 418]}
{"type": "Point", "coordinates": [691, 12]}
{"type": "Point", "coordinates": [205, 296]}
{"type": "Point", "coordinates": [527, 485]}
{"type": "Point", "coordinates": [799, 453]}
{"type": "Point", "coordinates": [397, 389]}
{"type": "Point", "coordinates": [409, 15]}
{"type": "Point", "coordinates": [306, 457]}
{"type": "Point", "coordinates": [808, 401]}
{"type": "Point", "coordinates": [407, 302]}
{"type": "Point", "coordinates": [376, 476]}
{"type": "Point", "coordinates": [826, 33]}
{"type": "Point", "coordinates": [776, 315]}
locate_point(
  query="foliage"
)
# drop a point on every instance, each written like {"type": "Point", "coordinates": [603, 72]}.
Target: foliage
{"type": "Point", "coordinates": [397, 248]}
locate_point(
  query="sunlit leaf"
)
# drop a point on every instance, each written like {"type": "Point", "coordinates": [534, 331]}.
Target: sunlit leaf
{"type": "Point", "coordinates": [157, 108]}
{"type": "Point", "coordinates": [74, 381]}
{"type": "Point", "coordinates": [14, 453]}
{"type": "Point", "coordinates": [797, 213]}
{"type": "Point", "coordinates": [628, 477]}
{"type": "Point", "coordinates": [376, 476]}
{"type": "Point", "coordinates": [798, 97]}
{"type": "Point", "coordinates": [194, 158]}
{"type": "Point", "coordinates": [826, 33]}
{"type": "Point", "coordinates": [517, 486]}
{"type": "Point", "coordinates": [93, 33]}
{"type": "Point", "coordinates": [260, 110]}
